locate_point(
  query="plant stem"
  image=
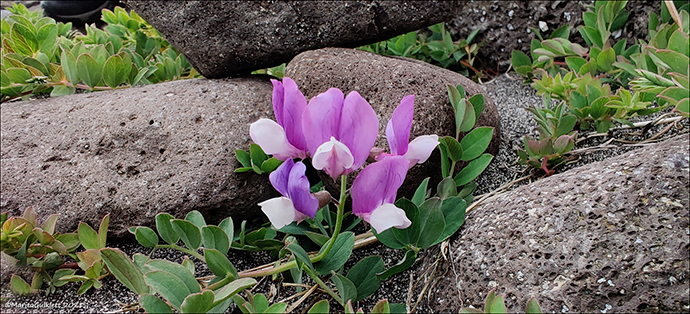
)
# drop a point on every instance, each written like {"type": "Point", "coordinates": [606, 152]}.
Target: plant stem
{"type": "Point", "coordinates": [452, 169]}
{"type": "Point", "coordinates": [179, 248]}
{"type": "Point", "coordinates": [221, 283]}
{"type": "Point", "coordinates": [323, 285]}
{"type": "Point", "coordinates": [314, 258]}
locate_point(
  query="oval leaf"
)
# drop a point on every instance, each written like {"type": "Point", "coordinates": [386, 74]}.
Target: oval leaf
{"type": "Point", "coordinates": [188, 232]}
{"type": "Point", "coordinates": [473, 169]}
{"type": "Point", "coordinates": [169, 286]}
{"type": "Point", "coordinates": [475, 143]}
{"type": "Point", "coordinates": [124, 270]}
{"type": "Point", "coordinates": [165, 228]}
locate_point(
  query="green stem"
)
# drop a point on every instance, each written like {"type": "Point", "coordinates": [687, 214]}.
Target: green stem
{"type": "Point", "coordinates": [452, 169]}
{"type": "Point", "coordinates": [323, 285]}
{"type": "Point", "coordinates": [179, 248]}
{"type": "Point", "coordinates": [317, 257]}
{"type": "Point", "coordinates": [226, 280]}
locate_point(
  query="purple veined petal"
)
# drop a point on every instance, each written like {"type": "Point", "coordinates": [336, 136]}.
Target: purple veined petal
{"type": "Point", "coordinates": [299, 191]}
{"type": "Point", "coordinates": [279, 211]}
{"type": "Point", "coordinates": [271, 137]}
{"type": "Point", "coordinates": [358, 128]}
{"type": "Point", "coordinates": [333, 157]}
{"type": "Point", "coordinates": [386, 216]}
{"type": "Point", "coordinates": [281, 176]}
{"type": "Point", "coordinates": [278, 100]}
{"type": "Point", "coordinates": [293, 107]}
{"type": "Point", "coordinates": [420, 149]}
{"type": "Point", "coordinates": [398, 127]}
{"type": "Point", "coordinates": [378, 183]}
{"type": "Point", "coordinates": [321, 119]}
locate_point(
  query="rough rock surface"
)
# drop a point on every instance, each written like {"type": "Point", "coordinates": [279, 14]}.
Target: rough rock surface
{"type": "Point", "coordinates": [610, 236]}
{"type": "Point", "coordinates": [384, 81]}
{"type": "Point", "coordinates": [135, 152]}
{"type": "Point", "coordinates": [504, 24]}
{"type": "Point", "coordinates": [222, 38]}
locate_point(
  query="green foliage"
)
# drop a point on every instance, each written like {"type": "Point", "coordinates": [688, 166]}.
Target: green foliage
{"type": "Point", "coordinates": [42, 56]}
{"type": "Point", "coordinates": [438, 48]}
{"type": "Point", "coordinates": [495, 304]}
{"type": "Point", "coordinates": [593, 83]}
{"type": "Point", "coordinates": [256, 160]}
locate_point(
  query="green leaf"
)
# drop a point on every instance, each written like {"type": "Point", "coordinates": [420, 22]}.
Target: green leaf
{"type": "Point", "coordinates": [683, 107]}
{"type": "Point", "coordinates": [363, 276]}
{"type": "Point", "coordinates": [124, 270]}
{"type": "Point", "coordinates": [575, 63]}
{"type": "Point", "coordinates": [381, 307]}
{"type": "Point", "coordinates": [270, 164]}
{"type": "Point", "coordinates": [19, 286]}
{"type": "Point", "coordinates": [103, 231]}
{"type": "Point", "coordinates": [477, 102]}
{"type": "Point", "coordinates": [410, 234]}
{"type": "Point", "coordinates": [85, 286]}
{"type": "Point", "coordinates": [606, 59]}
{"type": "Point", "coordinates": [338, 255]}
{"type": "Point", "coordinates": [214, 237]}
{"type": "Point", "coordinates": [69, 67]}
{"type": "Point", "coordinates": [196, 218]}
{"type": "Point", "coordinates": [115, 71]}
{"type": "Point", "coordinates": [519, 58]}
{"type": "Point", "coordinates": [317, 238]}
{"type": "Point", "coordinates": [454, 96]}
{"type": "Point", "coordinates": [561, 32]}
{"type": "Point", "coordinates": [420, 193]}
{"type": "Point", "coordinates": [188, 232]}
{"type": "Point", "coordinates": [497, 305]}
{"type": "Point", "coordinates": [453, 209]}
{"type": "Point", "coordinates": [320, 307]}
{"type": "Point", "coordinates": [232, 288]}
{"type": "Point", "coordinates": [153, 304]}
{"type": "Point", "coordinates": [460, 115]}
{"type": "Point", "coordinates": [243, 158]}
{"type": "Point", "coordinates": [532, 307]}
{"type": "Point", "coordinates": [388, 238]}
{"type": "Point", "coordinates": [469, 310]}
{"type": "Point", "coordinates": [89, 70]}
{"type": "Point", "coordinates": [475, 143]}
{"type": "Point", "coordinates": [176, 270]}
{"type": "Point", "coordinates": [257, 155]}
{"type": "Point", "coordinates": [24, 39]}
{"type": "Point", "coordinates": [219, 264]}
{"type": "Point", "coordinates": [405, 263]}
{"type": "Point", "coordinates": [566, 125]}
{"type": "Point", "coordinates": [346, 289]}
{"type": "Point", "coordinates": [593, 35]}
{"type": "Point", "coordinates": [169, 286]}
{"type": "Point", "coordinates": [277, 308]}
{"type": "Point", "coordinates": [300, 255]}
{"type": "Point", "coordinates": [146, 236]}
{"type": "Point", "coordinates": [37, 65]}
{"type": "Point", "coordinates": [446, 188]}
{"type": "Point", "coordinates": [199, 302]}
{"type": "Point", "coordinates": [677, 61]}
{"type": "Point", "coordinates": [431, 222]}
{"type": "Point", "coordinates": [87, 236]}
{"type": "Point", "coordinates": [454, 148]}
{"type": "Point", "coordinates": [473, 169]}
{"type": "Point", "coordinates": [165, 228]}
{"type": "Point", "coordinates": [468, 120]}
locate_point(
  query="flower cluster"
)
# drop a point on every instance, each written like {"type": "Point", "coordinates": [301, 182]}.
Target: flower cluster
{"type": "Point", "coordinates": [338, 132]}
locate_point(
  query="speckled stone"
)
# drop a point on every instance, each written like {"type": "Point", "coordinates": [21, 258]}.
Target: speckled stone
{"type": "Point", "coordinates": [134, 153]}
{"type": "Point", "coordinates": [222, 38]}
{"type": "Point", "coordinates": [607, 237]}
{"type": "Point", "coordinates": [383, 82]}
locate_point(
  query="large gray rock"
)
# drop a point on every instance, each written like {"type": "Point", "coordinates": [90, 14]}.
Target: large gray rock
{"type": "Point", "coordinates": [134, 152]}
{"type": "Point", "coordinates": [504, 24]}
{"type": "Point", "coordinates": [384, 81]}
{"type": "Point", "coordinates": [610, 236]}
{"type": "Point", "coordinates": [223, 38]}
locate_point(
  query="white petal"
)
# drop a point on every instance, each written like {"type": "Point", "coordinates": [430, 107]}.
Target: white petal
{"type": "Point", "coordinates": [386, 216]}
{"type": "Point", "coordinates": [271, 137]}
{"type": "Point", "coordinates": [332, 155]}
{"type": "Point", "coordinates": [420, 149]}
{"type": "Point", "coordinates": [279, 211]}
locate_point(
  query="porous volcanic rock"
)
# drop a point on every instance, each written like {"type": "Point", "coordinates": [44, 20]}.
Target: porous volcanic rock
{"type": "Point", "coordinates": [223, 38]}
{"type": "Point", "coordinates": [134, 153]}
{"type": "Point", "coordinates": [384, 81]}
{"type": "Point", "coordinates": [610, 236]}
{"type": "Point", "coordinates": [504, 24]}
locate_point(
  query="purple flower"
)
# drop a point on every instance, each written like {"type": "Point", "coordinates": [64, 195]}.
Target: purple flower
{"type": "Point", "coordinates": [339, 133]}
{"type": "Point", "coordinates": [297, 203]}
{"type": "Point", "coordinates": [283, 139]}
{"type": "Point", "coordinates": [374, 192]}
{"type": "Point", "coordinates": [398, 135]}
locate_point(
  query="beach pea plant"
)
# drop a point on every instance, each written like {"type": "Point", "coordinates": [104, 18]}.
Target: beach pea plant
{"type": "Point", "coordinates": [495, 304]}
{"type": "Point", "coordinates": [41, 56]}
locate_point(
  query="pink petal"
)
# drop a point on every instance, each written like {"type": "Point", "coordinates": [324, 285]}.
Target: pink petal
{"type": "Point", "coordinates": [398, 127]}
{"type": "Point", "coordinates": [333, 157]}
{"type": "Point", "coordinates": [321, 119]}
{"type": "Point", "coordinates": [359, 127]}
{"type": "Point", "coordinates": [294, 105]}
{"type": "Point", "coordinates": [377, 184]}
{"type": "Point", "coordinates": [278, 100]}
{"type": "Point", "coordinates": [279, 178]}
{"type": "Point", "coordinates": [271, 137]}
{"type": "Point", "coordinates": [421, 148]}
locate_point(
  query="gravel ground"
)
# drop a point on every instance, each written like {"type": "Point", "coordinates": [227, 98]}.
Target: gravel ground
{"type": "Point", "coordinates": [511, 97]}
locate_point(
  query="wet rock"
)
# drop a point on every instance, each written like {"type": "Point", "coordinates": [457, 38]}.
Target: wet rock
{"type": "Point", "coordinates": [223, 38]}
{"type": "Point", "coordinates": [134, 153]}
{"type": "Point", "coordinates": [610, 236]}
{"type": "Point", "coordinates": [505, 24]}
{"type": "Point", "coordinates": [384, 81]}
